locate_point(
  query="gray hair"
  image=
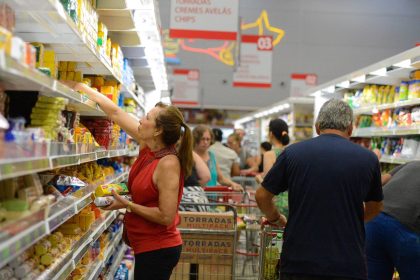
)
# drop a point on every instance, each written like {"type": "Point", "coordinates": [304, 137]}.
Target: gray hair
{"type": "Point", "coordinates": [334, 114]}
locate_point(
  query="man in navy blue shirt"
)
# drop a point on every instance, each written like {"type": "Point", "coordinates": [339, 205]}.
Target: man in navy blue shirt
{"type": "Point", "coordinates": [334, 187]}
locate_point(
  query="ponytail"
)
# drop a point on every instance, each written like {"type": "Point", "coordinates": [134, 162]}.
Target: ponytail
{"type": "Point", "coordinates": [285, 139]}
{"type": "Point", "coordinates": [280, 130]}
{"type": "Point", "coordinates": [185, 151]}
{"type": "Point", "coordinates": [172, 122]}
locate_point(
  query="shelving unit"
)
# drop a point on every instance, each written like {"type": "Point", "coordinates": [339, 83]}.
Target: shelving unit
{"type": "Point", "coordinates": [64, 266]}
{"type": "Point", "coordinates": [380, 131]}
{"type": "Point", "coordinates": [16, 76]}
{"type": "Point", "coordinates": [116, 262]}
{"type": "Point", "coordinates": [10, 168]}
{"type": "Point", "coordinates": [392, 72]}
{"type": "Point", "coordinates": [47, 22]}
{"type": "Point", "coordinates": [289, 110]}
{"type": "Point", "coordinates": [35, 227]}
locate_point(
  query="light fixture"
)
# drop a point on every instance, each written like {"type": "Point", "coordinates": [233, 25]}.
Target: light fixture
{"type": "Point", "coordinates": [343, 84]}
{"type": "Point", "coordinates": [329, 89]}
{"type": "Point", "coordinates": [316, 93]}
{"type": "Point", "coordinates": [166, 100]}
{"type": "Point", "coordinates": [404, 64]}
{"type": "Point", "coordinates": [286, 106]}
{"type": "Point", "coordinates": [379, 72]}
{"type": "Point", "coordinates": [359, 79]}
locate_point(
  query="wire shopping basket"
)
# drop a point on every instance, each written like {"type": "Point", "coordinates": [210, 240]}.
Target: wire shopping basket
{"type": "Point", "coordinates": [271, 241]}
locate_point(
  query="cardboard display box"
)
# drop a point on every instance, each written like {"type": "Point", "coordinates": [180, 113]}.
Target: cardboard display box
{"type": "Point", "coordinates": [207, 248]}
{"type": "Point", "coordinates": [181, 272]}
{"type": "Point", "coordinates": [205, 220]}
{"type": "Point", "coordinates": [214, 272]}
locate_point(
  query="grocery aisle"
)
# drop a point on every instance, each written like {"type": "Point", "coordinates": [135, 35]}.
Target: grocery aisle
{"type": "Point", "coordinates": [56, 148]}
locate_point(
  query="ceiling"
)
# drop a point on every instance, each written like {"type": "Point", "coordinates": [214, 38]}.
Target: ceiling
{"type": "Point", "coordinates": [327, 37]}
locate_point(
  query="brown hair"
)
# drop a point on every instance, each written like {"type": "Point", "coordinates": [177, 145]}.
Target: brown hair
{"type": "Point", "coordinates": [198, 132]}
{"type": "Point", "coordinates": [171, 120]}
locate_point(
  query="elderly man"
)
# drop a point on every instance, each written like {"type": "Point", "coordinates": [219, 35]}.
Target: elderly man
{"type": "Point", "coordinates": [334, 187]}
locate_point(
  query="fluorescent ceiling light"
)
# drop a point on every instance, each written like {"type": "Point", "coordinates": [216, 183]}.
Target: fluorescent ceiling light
{"type": "Point", "coordinates": [316, 93]}
{"type": "Point", "coordinates": [166, 100]}
{"type": "Point", "coordinates": [286, 106]}
{"type": "Point", "coordinates": [359, 79]}
{"type": "Point", "coordinates": [329, 89]}
{"type": "Point", "coordinates": [379, 72]}
{"type": "Point", "coordinates": [404, 64]}
{"type": "Point", "coordinates": [344, 84]}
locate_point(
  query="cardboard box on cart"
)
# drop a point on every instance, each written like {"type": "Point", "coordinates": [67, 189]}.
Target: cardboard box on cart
{"type": "Point", "coordinates": [210, 254]}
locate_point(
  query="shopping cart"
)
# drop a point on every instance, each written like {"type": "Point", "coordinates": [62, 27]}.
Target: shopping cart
{"type": "Point", "coordinates": [247, 182]}
{"type": "Point", "coordinates": [271, 241]}
{"type": "Point", "coordinates": [249, 217]}
{"type": "Point", "coordinates": [209, 244]}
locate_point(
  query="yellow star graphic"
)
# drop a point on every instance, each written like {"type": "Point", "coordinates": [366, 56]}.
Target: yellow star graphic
{"type": "Point", "coordinates": [262, 22]}
{"type": "Point", "coordinates": [225, 53]}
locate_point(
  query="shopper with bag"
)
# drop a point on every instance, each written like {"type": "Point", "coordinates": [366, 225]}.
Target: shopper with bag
{"type": "Point", "coordinates": [334, 187]}
{"type": "Point", "coordinates": [156, 182]}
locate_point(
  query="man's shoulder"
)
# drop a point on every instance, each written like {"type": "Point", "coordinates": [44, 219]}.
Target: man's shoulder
{"type": "Point", "coordinates": [221, 148]}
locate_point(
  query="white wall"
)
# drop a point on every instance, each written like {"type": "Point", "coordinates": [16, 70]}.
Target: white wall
{"type": "Point", "coordinates": [326, 37]}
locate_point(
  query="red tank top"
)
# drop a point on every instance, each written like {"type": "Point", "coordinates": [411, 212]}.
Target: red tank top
{"type": "Point", "coordinates": [145, 235]}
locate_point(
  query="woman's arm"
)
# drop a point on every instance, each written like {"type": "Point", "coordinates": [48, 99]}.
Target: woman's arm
{"type": "Point", "coordinates": [269, 159]}
{"type": "Point", "coordinates": [115, 113]}
{"type": "Point", "coordinates": [235, 170]}
{"type": "Point", "coordinates": [166, 178]}
{"type": "Point", "coordinates": [226, 181]}
{"type": "Point", "coordinates": [202, 169]}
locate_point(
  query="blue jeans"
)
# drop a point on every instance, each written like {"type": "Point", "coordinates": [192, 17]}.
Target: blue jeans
{"type": "Point", "coordinates": [391, 245]}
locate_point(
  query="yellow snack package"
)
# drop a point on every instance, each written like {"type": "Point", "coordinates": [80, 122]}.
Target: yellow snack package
{"type": "Point", "coordinates": [105, 190]}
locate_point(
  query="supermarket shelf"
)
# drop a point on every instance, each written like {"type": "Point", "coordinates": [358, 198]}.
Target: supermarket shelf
{"type": "Point", "coordinates": [379, 131]}
{"type": "Point", "coordinates": [134, 153]}
{"type": "Point", "coordinates": [369, 109]}
{"type": "Point", "coordinates": [62, 268]}
{"type": "Point", "coordinates": [10, 168]}
{"type": "Point", "coordinates": [16, 76]}
{"type": "Point", "coordinates": [111, 247]}
{"type": "Point", "coordinates": [95, 270]}
{"type": "Point", "coordinates": [46, 21]}
{"type": "Point", "coordinates": [35, 227]}
{"type": "Point", "coordinates": [117, 262]}
{"type": "Point", "coordinates": [390, 71]}
{"type": "Point", "coordinates": [99, 265]}
{"type": "Point", "coordinates": [130, 94]}
{"type": "Point", "coordinates": [131, 274]}
{"type": "Point", "coordinates": [301, 124]}
{"type": "Point", "coordinates": [396, 160]}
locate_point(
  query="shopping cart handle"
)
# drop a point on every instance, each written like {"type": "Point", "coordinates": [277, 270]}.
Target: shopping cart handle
{"type": "Point", "coordinates": [217, 189]}
{"type": "Point", "coordinates": [249, 173]}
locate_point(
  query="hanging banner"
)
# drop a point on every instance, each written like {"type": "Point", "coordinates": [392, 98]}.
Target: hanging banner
{"type": "Point", "coordinates": [186, 87]}
{"type": "Point", "coordinates": [300, 83]}
{"type": "Point", "coordinates": [204, 19]}
{"type": "Point", "coordinates": [256, 61]}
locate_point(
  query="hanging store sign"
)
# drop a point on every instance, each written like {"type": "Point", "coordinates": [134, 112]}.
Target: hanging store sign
{"type": "Point", "coordinates": [256, 61]}
{"type": "Point", "coordinates": [300, 83]}
{"type": "Point", "coordinates": [204, 19]}
{"type": "Point", "coordinates": [186, 87]}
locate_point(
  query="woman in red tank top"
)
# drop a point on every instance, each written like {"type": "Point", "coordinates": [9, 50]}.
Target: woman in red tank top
{"type": "Point", "coordinates": [155, 182]}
